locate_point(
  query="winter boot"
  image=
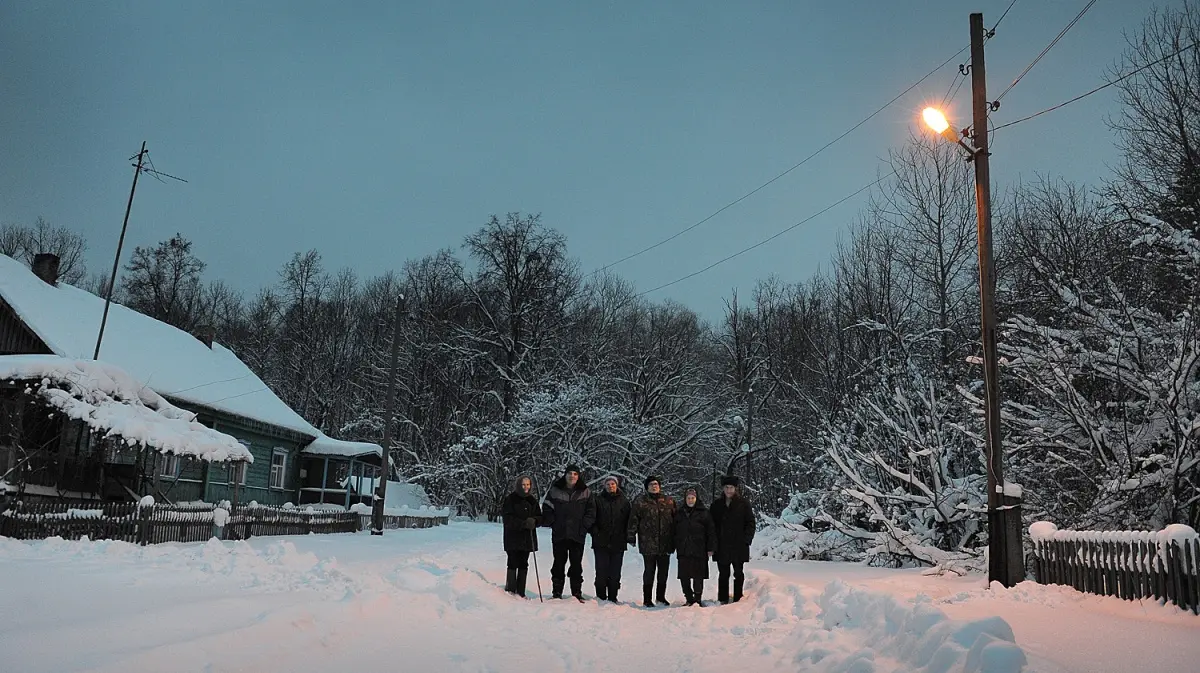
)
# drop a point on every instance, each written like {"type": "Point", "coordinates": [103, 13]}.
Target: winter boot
{"type": "Point", "coordinates": [522, 576]}
{"type": "Point", "coordinates": [737, 589]}
{"type": "Point", "coordinates": [612, 592]}
{"type": "Point", "coordinates": [698, 592]}
{"type": "Point", "coordinates": [577, 589]}
{"type": "Point", "coordinates": [686, 585]}
{"type": "Point", "coordinates": [601, 592]}
{"type": "Point", "coordinates": [510, 582]}
{"type": "Point", "coordinates": [647, 593]}
{"type": "Point", "coordinates": [723, 590]}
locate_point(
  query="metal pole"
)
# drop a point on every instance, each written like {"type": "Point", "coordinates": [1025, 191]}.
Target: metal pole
{"type": "Point", "coordinates": [389, 406]}
{"type": "Point", "coordinates": [112, 280]}
{"type": "Point", "coordinates": [999, 546]}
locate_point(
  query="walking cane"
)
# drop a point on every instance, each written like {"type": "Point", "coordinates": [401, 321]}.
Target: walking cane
{"type": "Point", "coordinates": [536, 576]}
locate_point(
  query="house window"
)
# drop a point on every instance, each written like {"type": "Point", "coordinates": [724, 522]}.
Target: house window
{"type": "Point", "coordinates": [278, 467]}
{"type": "Point", "coordinates": [169, 466]}
{"type": "Point", "coordinates": [236, 473]}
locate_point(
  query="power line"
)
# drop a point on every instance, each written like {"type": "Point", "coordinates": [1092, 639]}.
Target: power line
{"type": "Point", "coordinates": [781, 175]}
{"type": "Point", "coordinates": [1045, 51]}
{"type": "Point", "coordinates": [997, 24]}
{"type": "Point", "coordinates": [770, 238]}
{"type": "Point", "coordinates": [1099, 88]}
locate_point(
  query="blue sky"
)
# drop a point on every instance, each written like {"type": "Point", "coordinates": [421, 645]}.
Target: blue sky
{"type": "Point", "coordinates": [381, 131]}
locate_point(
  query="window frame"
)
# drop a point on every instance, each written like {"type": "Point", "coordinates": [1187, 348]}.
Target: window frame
{"type": "Point", "coordinates": [282, 485]}
{"type": "Point", "coordinates": [170, 460]}
{"type": "Point", "coordinates": [237, 468]}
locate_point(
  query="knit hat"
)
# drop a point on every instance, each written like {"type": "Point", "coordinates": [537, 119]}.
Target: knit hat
{"type": "Point", "coordinates": [691, 489]}
{"type": "Point", "coordinates": [573, 468]}
{"type": "Point", "coordinates": [612, 477]}
{"type": "Point", "coordinates": [729, 480]}
{"type": "Point", "coordinates": [652, 478]}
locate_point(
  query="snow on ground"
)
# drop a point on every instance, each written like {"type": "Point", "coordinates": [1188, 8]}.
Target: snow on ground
{"type": "Point", "coordinates": [431, 599]}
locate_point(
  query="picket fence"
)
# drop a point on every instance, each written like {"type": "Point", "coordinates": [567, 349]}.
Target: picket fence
{"type": "Point", "coordinates": [150, 524]}
{"type": "Point", "coordinates": [1132, 565]}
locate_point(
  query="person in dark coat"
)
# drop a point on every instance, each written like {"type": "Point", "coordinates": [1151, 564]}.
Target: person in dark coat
{"type": "Point", "coordinates": [651, 525]}
{"type": "Point", "coordinates": [570, 512]}
{"type": "Point", "coordinates": [608, 538]}
{"type": "Point", "coordinates": [695, 541]}
{"type": "Point", "coordinates": [734, 520]}
{"type": "Point", "coordinates": [520, 513]}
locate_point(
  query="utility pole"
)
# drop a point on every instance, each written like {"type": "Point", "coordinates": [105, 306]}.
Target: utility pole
{"type": "Point", "coordinates": [389, 405]}
{"type": "Point", "coordinates": [112, 279]}
{"type": "Point", "coordinates": [749, 433]}
{"type": "Point", "coordinates": [1005, 562]}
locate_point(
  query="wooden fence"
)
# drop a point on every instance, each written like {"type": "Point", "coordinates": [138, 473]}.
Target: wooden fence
{"type": "Point", "coordinates": [391, 521]}
{"type": "Point", "coordinates": [1127, 565]}
{"type": "Point", "coordinates": [165, 523]}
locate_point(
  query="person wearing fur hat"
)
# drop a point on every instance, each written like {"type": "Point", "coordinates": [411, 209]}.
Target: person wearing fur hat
{"type": "Point", "coordinates": [695, 541]}
{"type": "Point", "coordinates": [608, 538]}
{"type": "Point", "coordinates": [520, 513]}
{"type": "Point", "coordinates": [734, 520]}
{"type": "Point", "coordinates": [651, 526]}
{"type": "Point", "coordinates": [570, 512]}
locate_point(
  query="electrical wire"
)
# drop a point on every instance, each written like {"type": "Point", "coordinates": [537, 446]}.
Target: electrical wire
{"type": "Point", "coordinates": [781, 175]}
{"type": "Point", "coordinates": [1099, 88]}
{"type": "Point", "coordinates": [770, 238]}
{"type": "Point", "coordinates": [997, 24]}
{"type": "Point", "coordinates": [1045, 51]}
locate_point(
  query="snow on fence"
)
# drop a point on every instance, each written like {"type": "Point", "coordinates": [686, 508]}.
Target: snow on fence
{"type": "Point", "coordinates": [1131, 565]}
{"type": "Point", "coordinates": [404, 517]}
{"type": "Point", "coordinates": [150, 523]}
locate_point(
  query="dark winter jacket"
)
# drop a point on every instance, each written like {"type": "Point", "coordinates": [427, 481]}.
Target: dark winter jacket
{"type": "Point", "coordinates": [735, 529]}
{"type": "Point", "coordinates": [695, 536]}
{"type": "Point", "coordinates": [569, 513]}
{"type": "Point", "coordinates": [652, 522]}
{"type": "Point", "coordinates": [516, 510]}
{"type": "Point", "coordinates": [612, 521]}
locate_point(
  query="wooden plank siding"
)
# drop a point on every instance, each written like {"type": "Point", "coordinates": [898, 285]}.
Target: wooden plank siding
{"type": "Point", "coordinates": [15, 337]}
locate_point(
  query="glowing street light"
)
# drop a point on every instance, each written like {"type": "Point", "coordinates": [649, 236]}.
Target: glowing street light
{"type": "Point", "coordinates": [936, 120]}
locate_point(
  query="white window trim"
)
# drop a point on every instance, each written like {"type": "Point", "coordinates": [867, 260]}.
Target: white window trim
{"type": "Point", "coordinates": [278, 451]}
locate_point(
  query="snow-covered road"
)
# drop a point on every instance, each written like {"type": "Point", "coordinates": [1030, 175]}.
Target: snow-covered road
{"type": "Point", "coordinates": [430, 600]}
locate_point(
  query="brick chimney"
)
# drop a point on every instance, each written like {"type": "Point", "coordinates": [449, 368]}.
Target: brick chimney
{"type": "Point", "coordinates": [45, 266]}
{"type": "Point", "coordinates": [206, 334]}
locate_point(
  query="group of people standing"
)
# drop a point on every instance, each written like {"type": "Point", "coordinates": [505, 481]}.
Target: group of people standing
{"type": "Point", "coordinates": [654, 522]}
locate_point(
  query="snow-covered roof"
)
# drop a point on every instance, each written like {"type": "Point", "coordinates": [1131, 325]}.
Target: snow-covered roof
{"type": "Point", "coordinates": [328, 446]}
{"type": "Point", "coordinates": [111, 402]}
{"type": "Point", "coordinates": [174, 363]}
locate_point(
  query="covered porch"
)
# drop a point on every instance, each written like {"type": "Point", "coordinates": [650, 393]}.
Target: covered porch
{"type": "Point", "coordinates": [336, 472]}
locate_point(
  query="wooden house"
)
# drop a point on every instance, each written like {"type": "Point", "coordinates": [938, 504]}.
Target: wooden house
{"type": "Point", "coordinates": [41, 316]}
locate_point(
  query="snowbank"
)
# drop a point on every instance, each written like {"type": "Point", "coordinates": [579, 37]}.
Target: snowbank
{"type": "Point", "coordinates": [920, 636]}
{"type": "Point", "coordinates": [424, 511]}
{"type": "Point", "coordinates": [111, 402]}
{"type": "Point", "coordinates": [783, 541]}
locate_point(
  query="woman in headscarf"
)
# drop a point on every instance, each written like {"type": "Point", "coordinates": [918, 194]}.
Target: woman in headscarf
{"type": "Point", "coordinates": [695, 542]}
{"type": "Point", "coordinates": [521, 517]}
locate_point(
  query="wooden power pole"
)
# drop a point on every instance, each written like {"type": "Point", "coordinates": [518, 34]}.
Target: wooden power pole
{"type": "Point", "coordinates": [1005, 560]}
{"type": "Point", "coordinates": [112, 279]}
{"type": "Point", "coordinates": [389, 406]}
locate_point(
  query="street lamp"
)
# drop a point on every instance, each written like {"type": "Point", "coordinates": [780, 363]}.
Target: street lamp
{"type": "Point", "coordinates": [936, 120]}
{"type": "Point", "coordinates": [1006, 563]}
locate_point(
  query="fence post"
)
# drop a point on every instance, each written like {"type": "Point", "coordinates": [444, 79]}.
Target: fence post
{"type": "Point", "coordinates": [144, 512]}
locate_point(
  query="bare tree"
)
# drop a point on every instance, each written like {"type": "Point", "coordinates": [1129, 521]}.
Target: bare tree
{"type": "Point", "coordinates": [164, 282]}
{"type": "Point", "coordinates": [1158, 126]}
{"type": "Point", "coordinates": [24, 243]}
